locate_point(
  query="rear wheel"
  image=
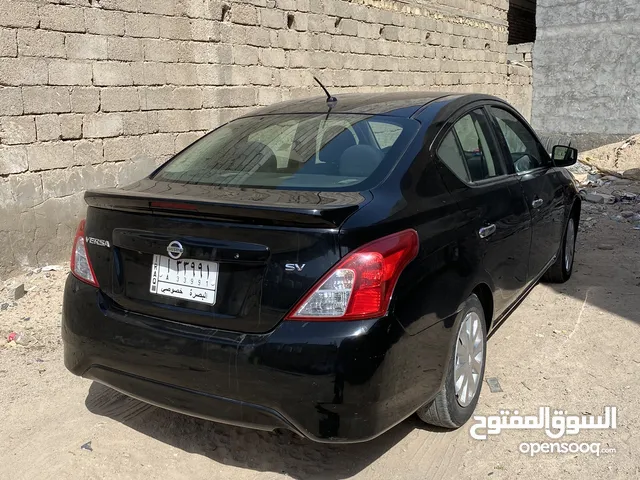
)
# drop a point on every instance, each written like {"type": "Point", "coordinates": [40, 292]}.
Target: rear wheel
{"type": "Point", "coordinates": [455, 402]}
{"type": "Point", "coordinates": [562, 268]}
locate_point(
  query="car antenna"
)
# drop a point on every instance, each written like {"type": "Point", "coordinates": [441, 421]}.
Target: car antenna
{"type": "Point", "coordinates": [331, 100]}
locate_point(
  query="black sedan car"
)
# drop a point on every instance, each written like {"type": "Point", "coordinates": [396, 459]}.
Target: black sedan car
{"type": "Point", "coordinates": [328, 267]}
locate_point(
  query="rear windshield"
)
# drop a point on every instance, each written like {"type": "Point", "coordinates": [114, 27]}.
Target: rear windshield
{"type": "Point", "coordinates": [295, 151]}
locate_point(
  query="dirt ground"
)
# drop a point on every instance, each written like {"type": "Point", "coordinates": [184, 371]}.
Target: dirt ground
{"type": "Point", "coordinates": [621, 157]}
{"type": "Point", "coordinates": [572, 347]}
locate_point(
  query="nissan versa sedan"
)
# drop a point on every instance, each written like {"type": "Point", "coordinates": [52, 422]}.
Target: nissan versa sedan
{"type": "Point", "coordinates": [330, 267]}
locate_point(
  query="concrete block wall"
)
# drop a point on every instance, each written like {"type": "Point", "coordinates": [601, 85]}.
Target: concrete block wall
{"type": "Point", "coordinates": [520, 88]}
{"type": "Point", "coordinates": [519, 77]}
{"type": "Point", "coordinates": [586, 81]}
{"type": "Point", "coordinates": [98, 92]}
{"type": "Point", "coordinates": [520, 53]}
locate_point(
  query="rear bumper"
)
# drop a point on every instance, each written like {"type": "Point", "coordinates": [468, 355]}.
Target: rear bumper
{"type": "Point", "coordinates": [328, 381]}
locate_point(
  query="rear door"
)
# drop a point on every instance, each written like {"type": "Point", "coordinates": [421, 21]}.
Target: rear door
{"type": "Point", "coordinates": [541, 184]}
{"type": "Point", "coordinates": [492, 200]}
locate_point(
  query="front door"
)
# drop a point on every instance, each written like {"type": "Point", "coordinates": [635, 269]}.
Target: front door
{"type": "Point", "coordinates": [540, 183]}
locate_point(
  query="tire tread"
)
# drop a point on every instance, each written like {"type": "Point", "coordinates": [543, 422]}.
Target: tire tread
{"type": "Point", "coordinates": [437, 412]}
{"type": "Point", "coordinates": [555, 273]}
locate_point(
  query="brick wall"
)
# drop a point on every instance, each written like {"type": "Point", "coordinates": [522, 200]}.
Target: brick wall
{"type": "Point", "coordinates": [519, 77]}
{"type": "Point", "coordinates": [98, 92]}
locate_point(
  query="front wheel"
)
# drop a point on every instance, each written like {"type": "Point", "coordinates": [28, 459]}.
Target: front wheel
{"type": "Point", "coordinates": [562, 268]}
{"type": "Point", "coordinates": [455, 402]}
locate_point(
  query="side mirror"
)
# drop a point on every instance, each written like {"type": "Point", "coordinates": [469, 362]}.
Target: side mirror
{"type": "Point", "coordinates": [564, 156]}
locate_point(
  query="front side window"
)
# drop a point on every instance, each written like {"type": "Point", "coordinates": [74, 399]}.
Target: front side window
{"type": "Point", "coordinates": [347, 152]}
{"type": "Point", "coordinates": [468, 151]}
{"type": "Point", "coordinates": [525, 150]}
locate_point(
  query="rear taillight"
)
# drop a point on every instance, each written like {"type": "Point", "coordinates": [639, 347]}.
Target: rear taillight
{"type": "Point", "coordinates": [361, 284]}
{"type": "Point", "coordinates": [80, 262]}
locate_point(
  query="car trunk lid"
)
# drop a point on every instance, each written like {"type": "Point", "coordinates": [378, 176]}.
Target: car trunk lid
{"type": "Point", "coordinates": [245, 255]}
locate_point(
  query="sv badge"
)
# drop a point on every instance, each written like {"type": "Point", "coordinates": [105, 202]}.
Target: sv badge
{"type": "Point", "coordinates": [294, 267]}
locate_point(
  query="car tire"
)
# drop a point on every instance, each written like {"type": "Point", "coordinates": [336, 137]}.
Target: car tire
{"type": "Point", "coordinates": [562, 268]}
{"type": "Point", "coordinates": [452, 405]}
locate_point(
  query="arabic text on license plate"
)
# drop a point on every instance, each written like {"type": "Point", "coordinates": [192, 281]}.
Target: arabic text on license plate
{"type": "Point", "coordinates": [194, 280]}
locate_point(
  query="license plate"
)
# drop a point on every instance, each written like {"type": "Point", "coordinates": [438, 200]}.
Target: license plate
{"type": "Point", "coordinates": [193, 280]}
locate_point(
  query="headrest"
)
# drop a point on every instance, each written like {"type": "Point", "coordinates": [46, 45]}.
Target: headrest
{"type": "Point", "coordinates": [359, 161]}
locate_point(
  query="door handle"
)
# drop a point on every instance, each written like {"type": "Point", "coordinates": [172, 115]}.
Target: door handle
{"type": "Point", "coordinates": [537, 203]}
{"type": "Point", "coordinates": [487, 231]}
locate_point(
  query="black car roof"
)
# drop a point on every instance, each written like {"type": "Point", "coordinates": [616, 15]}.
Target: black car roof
{"type": "Point", "coordinates": [401, 104]}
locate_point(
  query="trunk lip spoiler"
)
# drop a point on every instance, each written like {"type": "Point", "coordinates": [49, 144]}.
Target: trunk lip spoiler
{"type": "Point", "coordinates": [326, 215]}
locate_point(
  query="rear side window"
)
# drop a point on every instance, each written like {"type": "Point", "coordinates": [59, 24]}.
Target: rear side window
{"type": "Point", "coordinates": [295, 151]}
{"type": "Point", "coordinates": [468, 149]}
{"type": "Point", "coordinates": [451, 155]}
